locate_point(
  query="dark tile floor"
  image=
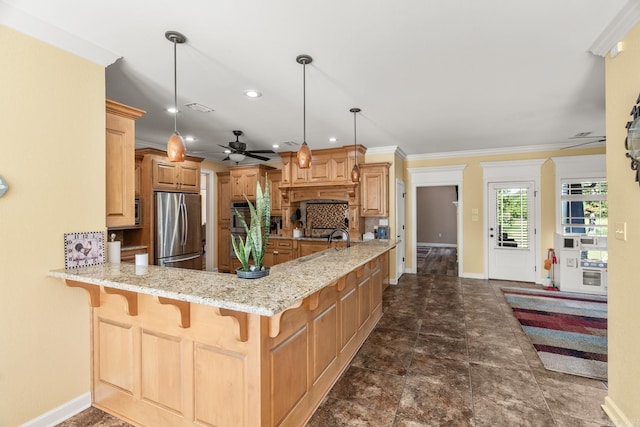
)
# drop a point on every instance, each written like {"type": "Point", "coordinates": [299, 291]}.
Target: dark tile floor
{"type": "Point", "coordinates": [447, 352]}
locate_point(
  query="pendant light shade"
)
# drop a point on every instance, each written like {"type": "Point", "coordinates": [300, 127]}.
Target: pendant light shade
{"type": "Point", "coordinates": [355, 172]}
{"type": "Point", "coordinates": [175, 147]}
{"type": "Point", "coordinates": [304, 153]}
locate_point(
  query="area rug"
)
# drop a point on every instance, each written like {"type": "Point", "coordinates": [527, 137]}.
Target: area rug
{"type": "Point", "coordinates": [568, 330]}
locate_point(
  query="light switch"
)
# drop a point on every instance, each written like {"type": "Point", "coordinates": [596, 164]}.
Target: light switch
{"type": "Point", "coordinates": [474, 211]}
{"type": "Point", "coordinates": [474, 218]}
{"type": "Point", "coordinates": [384, 221]}
{"type": "Point", "coordinates": [621, 230]}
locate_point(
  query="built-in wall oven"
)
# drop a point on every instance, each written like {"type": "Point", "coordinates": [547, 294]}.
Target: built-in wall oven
{"type": "Point", "coordinates": [235, 225]}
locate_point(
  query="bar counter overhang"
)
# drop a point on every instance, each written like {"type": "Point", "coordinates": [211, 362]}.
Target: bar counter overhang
{"type": "Point", "coordinates": [176, 347]}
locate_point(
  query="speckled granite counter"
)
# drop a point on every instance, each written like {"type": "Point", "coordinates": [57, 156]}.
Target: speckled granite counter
{"type": "Point", "coordinates": [174, 347]}
{"type": "Point", "coordinates": [286, 285]}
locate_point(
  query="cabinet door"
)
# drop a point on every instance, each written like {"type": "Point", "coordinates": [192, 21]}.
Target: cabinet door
{"type": "Point", "coordinates": [250, 181]}
{"type": "Point", "coordinates": [189, 177]}
{"type": "Point", "coordinates": [224, 248]}
{"type": "Point", "coordinates": [283, 255]}
{"type": "Point", "coordinates": [120, 170]}
{"type": "Point", "coordinates": [374, 194]}
{"type": "Point", "coordinates": [340, 170]}
{"type": "Point", "coordinates": [276, 194]}
{"type": "Point", "coordinates": [320, 170]}
{"type": "Point", "coordinates": [224, 197]}
{"type": "Point", "coordinates": [164, 175]}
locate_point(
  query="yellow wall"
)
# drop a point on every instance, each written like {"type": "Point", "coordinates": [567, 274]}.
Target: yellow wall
{"type": "Point", "coordinates": [473, 198]}
{"type": "Point", "coordinates": [53, 157]}
{"type": "Point", "coordinates": [622, 88]}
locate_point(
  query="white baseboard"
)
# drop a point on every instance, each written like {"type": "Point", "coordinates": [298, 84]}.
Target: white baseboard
{"type": "Point", "coordinates": [472, 276]}
{"type": "Point", "coordinates": [62, 412]}
{"type": "Point", "coordinates": [615, 414]}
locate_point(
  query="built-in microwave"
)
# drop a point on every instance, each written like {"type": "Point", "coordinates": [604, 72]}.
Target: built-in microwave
{"type": "Point", "coordinates": [136, 211]}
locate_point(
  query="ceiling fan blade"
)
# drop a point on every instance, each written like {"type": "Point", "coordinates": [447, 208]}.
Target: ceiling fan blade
{"type": "Point", "coordinates": [250, 154]}
{"type": "Point", "coordinates": [261, 151]}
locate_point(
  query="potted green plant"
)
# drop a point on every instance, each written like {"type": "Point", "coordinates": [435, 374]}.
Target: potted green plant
{"type": "Point", "coordinates": [257, 235]}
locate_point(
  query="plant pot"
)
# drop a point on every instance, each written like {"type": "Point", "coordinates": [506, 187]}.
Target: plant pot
{"type": "Point", "coordinates": [252, 274]}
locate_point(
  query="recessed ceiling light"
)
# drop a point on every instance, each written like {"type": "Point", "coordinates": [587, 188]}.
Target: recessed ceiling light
{"type": "Point", "coordinates": [333, 139]}
{"type": "Point", "coordinates": [189, 138]}
{"type": "Point", "coordinates": [252, 93]}
{"type": "Point", "coordinates": [172, 110]}
{"type": "Point", "coordinates": [227, 151]}
{"type": "Point", "coordinates": [275, 146]}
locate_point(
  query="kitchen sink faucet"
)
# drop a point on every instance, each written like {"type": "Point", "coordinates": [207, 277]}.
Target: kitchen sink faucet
{"type": "Point", "coordinates": [344, 231]}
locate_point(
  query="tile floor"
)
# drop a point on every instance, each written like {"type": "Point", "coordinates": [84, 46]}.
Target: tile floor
{"type": "Point", "coordinates": [447, 352]}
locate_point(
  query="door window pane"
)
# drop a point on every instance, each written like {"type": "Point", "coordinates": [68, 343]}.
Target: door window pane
{"type": "Point", "coordinates": [512, 220]}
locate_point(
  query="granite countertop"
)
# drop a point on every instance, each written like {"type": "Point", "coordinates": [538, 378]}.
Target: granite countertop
{"type": "Point", "coordinates": [286, 285]}
{"type": "Point", "coordinates": [336, 238]}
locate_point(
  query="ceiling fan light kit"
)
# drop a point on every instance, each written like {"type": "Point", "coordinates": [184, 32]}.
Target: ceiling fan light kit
{"type": "Point", "coordinates": [304, 153]}
{"type": "Point", "coordinates": [175, 146]}
{"type": "Point", "coordinates": [355, 172]}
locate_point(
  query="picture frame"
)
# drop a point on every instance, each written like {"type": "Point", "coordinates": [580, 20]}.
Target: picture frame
{"type": "Point", "coordinates": [83, 249]}
{"type": "Point", "coordinates": [383, 232]}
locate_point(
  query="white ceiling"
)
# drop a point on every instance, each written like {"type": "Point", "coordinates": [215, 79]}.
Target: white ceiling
{"type": "Point", "coordinates": [430, 76]}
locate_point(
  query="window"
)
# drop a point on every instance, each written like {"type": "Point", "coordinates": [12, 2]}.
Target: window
{"type": "Point", "coordinates": [584, 207]}
{"type": "Point", "coordinates": [512, 220]}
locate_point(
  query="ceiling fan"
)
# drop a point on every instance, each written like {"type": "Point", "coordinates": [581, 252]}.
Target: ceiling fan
{"type": "Point", "coordinates": [586, 135]}
{"type": "Point", "coordinates": [237, 151]}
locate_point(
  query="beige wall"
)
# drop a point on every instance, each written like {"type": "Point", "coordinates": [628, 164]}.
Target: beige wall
{"type": "Point", "coordinates": [473, 195]}
{"type": "Point", "coordinates": [622, 88]}
{"type": "Point", "coordinates": [53, 157]}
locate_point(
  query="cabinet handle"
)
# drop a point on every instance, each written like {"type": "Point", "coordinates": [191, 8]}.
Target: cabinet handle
{"type": "Point", "coordinates": [275, 252]}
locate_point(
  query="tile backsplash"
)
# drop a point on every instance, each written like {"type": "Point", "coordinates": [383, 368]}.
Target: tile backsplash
{"type": "Point", "coordinates": [324, 217]}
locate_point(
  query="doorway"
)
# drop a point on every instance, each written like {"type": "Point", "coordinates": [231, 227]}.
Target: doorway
{"type": "Point", "coordinates": [400, 230]}
{"type": "Point", "coordinates": [430, 177]}
{"type": "Point", "coordinates": [207, 196]}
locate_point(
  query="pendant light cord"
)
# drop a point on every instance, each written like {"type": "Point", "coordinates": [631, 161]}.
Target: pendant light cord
{"type": "Point", "coordinates": [304, 101]}
{"type": "Point", "coordinates": [355, 151]}
{"type": "Point", "coordinates": [175, 87]}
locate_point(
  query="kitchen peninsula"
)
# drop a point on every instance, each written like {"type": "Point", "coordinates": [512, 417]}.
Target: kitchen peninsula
{"type": "Point", "coordinates": [176, 347]}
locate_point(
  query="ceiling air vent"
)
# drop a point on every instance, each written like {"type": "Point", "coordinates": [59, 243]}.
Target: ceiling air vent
{"type": "Point", "coordinates": [199, 107]}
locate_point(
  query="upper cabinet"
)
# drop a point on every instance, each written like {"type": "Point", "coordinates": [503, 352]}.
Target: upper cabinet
{"type": "Point", "coordinates": [120, 164]}
{"type": "Point", "coordinates": [374, 189]}
{"type": "Point", "coordinates": [328, 167]}
{"type": "Point", "coordinates": [169, 176]}
{"type": "Point", "coordinates": [274, 178]}
{"type": "Point", "coordinates": [244, 179]}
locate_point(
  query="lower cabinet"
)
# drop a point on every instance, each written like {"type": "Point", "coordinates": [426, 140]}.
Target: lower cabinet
{"type": "Point", "coordinates": [129, 254]}
{"type": "Point", "coordinates": [278, 251]}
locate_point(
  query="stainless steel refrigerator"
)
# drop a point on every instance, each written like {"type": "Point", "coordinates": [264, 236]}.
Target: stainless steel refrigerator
{"type": "Point", "coordinates": [178, 230]}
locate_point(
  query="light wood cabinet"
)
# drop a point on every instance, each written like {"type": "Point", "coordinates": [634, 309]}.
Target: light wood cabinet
{"type": "Point", "coordinates": [374, 189]}
{"type": "Point", "coordinates": [278, 251]}
{"type": "Point", "coordinates": [120, 163]}
{"type": "Point", "coordinates": [244, 179]}
{"type": "Point", "coordinates": [183, 177]}
{"type": "Point", "coordinates": [224, 217]}
{"type": "Point", "coordinates": [329, 166]}
{"type": "Point", "coordinates": [129, 254]}
{"type": "Point", "coordinates": [275, 192]}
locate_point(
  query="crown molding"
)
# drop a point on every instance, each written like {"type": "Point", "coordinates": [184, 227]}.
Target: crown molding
{"type": "Point", "coordinates": [19, 20]}
{"type": "Point", "coordinates": [621, 24]}
{"type": "Point", "coordinates": [497, 151]}
{"type": "Point", "coordinates": [391, 149]}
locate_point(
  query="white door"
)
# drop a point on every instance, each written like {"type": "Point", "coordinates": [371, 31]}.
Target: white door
{"type": "Point", "coordinates": [400, 229]}
{"type": "Point", "coordinates": [511, 231]}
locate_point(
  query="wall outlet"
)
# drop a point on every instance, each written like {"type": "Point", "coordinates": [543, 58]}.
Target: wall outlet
{"type": "Point", "coordinates": [384, 221]}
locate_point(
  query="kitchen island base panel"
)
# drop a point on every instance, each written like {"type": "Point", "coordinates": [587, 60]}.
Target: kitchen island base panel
{"type": "Point", "coordinates": [228, 368]}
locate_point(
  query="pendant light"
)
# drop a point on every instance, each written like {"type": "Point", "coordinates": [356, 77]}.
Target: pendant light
{"type": "Point", "coordinates": [304, 153]}
{"type": "Point", "coordinates": [355, 172]}
{"type": "Point", "coordinates": [175, 147]}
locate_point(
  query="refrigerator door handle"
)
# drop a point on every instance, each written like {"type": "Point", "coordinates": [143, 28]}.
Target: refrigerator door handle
{"type": "Point", "coordinates": [187, 258]}
{"type": "Point", "coordinates": [185, 219]}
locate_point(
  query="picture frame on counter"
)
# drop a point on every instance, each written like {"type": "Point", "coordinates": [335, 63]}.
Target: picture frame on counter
{"type": "Point", "coordinates": [83, 249]}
